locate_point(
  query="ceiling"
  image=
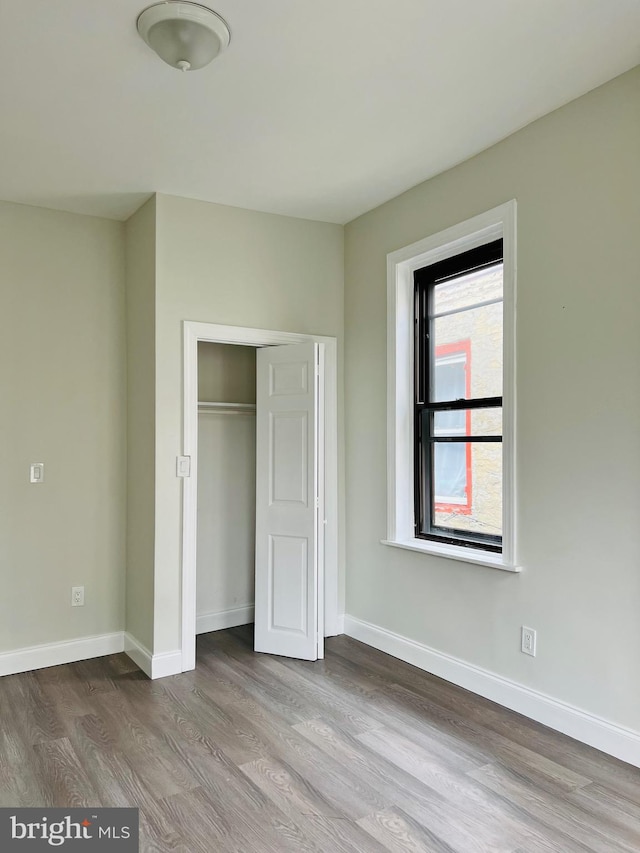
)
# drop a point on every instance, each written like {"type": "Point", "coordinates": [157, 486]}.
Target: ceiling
{"type": "Point", "coordinates": [320, 109]}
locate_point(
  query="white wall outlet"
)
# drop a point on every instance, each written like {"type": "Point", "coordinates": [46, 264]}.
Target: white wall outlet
{"type": "Point", "coordinates": [528, 641]}
{"type": "Point", "coordinates": [77, 596]}
{"type": "Point", "coordinates": [36, 472]}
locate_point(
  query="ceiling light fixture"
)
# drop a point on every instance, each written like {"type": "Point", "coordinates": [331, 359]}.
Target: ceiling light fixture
{"type": "Point", "coordinates": [187, 36]}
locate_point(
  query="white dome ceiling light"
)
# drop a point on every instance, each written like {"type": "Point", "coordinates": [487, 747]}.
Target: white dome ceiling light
{"type": "Point", "coordinates": [187, 36]}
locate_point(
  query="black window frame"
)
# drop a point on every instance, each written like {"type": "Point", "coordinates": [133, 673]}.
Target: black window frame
{"type": "Point", "coordinates": [425, 281]}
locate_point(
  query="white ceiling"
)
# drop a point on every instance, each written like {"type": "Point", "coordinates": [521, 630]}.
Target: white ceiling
{"type": "Point", "coordinates": [319, 108]}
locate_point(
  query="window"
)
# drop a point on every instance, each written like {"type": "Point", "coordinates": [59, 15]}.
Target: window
{"type": "Point", "coordinates": [458, 418]}
{"type": "Point", "coordinates": [451, 392]}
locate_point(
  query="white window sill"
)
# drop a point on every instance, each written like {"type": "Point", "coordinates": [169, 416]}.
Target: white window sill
{"type": "Point", "coordinates": [488, 559]}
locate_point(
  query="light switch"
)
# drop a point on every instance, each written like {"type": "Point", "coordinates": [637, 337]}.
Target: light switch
{"type": "Point", "coordinates": [36, 472]}
{"type": "Point", "coordinates": [183, 466]}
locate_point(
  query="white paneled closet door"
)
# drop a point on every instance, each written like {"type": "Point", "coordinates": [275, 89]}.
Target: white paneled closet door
{"type": "Point", "coordinates": [289, 501]}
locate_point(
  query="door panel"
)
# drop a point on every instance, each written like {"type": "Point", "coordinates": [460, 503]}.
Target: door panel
{"type": "Point", "coordinates": [288, 433]}
{"type": "Point", "coordinates": [288, 493]}
{"type": "Point", "coordinates": [288, 570]}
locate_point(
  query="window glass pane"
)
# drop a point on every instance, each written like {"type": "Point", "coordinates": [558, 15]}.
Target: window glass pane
{"type": "Point", "coordinates": [450, 472]}
{"type": "Point", "coordinates": [467, 422]}
{"type": "Point", "coordinates": [469, 289]}
{"type": "Point", "coordinates": [451, 378]}
{"type": "Point", "coordinates": [468, 487]}
{"type": "Point", "coordinates": [467, 344]}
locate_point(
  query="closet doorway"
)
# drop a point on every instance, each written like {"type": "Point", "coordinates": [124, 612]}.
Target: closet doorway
{"type": "Point", "coordinates": [225, 549]}
{"type": "Point", "coordinates": [219, 498]}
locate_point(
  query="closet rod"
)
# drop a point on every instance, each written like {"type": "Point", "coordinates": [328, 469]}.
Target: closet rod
{"type": "Point", "coordinates": [227, 408]}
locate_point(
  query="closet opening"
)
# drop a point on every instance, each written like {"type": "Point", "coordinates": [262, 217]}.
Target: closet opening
{"type": "Point", "coordinates": [225, 549]}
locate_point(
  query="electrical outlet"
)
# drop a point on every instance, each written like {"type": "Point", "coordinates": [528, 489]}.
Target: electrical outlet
{"type": "Point", "coordinates": [528, 645]}
{"type": "Point", "coordinates": [77, 596]}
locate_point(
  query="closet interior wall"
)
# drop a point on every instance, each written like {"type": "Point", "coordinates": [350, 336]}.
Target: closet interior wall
{"type": "Point", "coordinates": [226, 485]}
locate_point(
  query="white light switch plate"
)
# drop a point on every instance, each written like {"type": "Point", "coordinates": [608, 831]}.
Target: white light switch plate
{"type": "Point", "coordinates": [36, 472]}
{"type": "Point", "coordinates": [183, 466]}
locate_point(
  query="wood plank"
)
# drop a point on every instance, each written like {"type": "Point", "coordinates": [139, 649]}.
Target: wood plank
{"type": "Point", "coordinates": [399, 834]}
{"type": "Point", "coordinates": [410, 710]}
{"type": "Point", "coordinates": [289, 790]}
{"type": "Point", "coordinates": [620, 816]}
{"type": "Point", "coordinates": [553, 812]}
{"type": "Point", "coordinates": [471, 825]}
{"type": "Point", "coordinates": [65, 781]}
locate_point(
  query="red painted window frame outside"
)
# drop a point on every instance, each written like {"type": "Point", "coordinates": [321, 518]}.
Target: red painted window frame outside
{"type": "Point", "coordinates": [456, 348]}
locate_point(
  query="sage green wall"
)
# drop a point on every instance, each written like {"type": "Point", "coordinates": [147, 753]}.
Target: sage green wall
{"type": "Point", "coordinates": [140, 241]}
{"type": "Point", "coordinates": [226, 373]}
{"type": "Point", "coordinates": [237, 267]}
{"type": "Point", "coordinates": [576, 177]}
{"type": "Point", "coordinates": [62, 374]}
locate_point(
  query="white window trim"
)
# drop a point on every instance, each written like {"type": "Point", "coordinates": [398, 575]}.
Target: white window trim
{"type": "Point", "coordinates": [401, 264]}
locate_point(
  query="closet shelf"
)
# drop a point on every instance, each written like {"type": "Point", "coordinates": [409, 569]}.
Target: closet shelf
{"type": "Point", "coordinates": [205, 407]}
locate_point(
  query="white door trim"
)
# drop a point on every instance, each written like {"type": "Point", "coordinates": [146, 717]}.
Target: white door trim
{"type": "Point", "coordinates": [193, 332]}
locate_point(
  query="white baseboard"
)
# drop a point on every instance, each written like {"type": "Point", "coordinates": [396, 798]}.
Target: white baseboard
{"type": "Point", "coordinates": [224, 619]}
{"type": "Point", "coordinates": [341, 618]}
{"type": "Point", "coordinates": [595, 731]}
{"type": "Point", "coordinates": [54, 654]}
{"type": "Point", "coordinates": [138, 653]}
{"type": "Point", "coordinates": [167, 663]}
{"type": "Point", "coordinates": [154, 666]}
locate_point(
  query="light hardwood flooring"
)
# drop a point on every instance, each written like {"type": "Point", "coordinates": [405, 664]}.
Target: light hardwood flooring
{"type": "Point", "coordinates": [359, 753]}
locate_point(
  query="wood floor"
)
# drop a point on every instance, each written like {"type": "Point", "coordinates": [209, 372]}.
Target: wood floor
{"type": "Point", "coordinates": [360, 752]}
